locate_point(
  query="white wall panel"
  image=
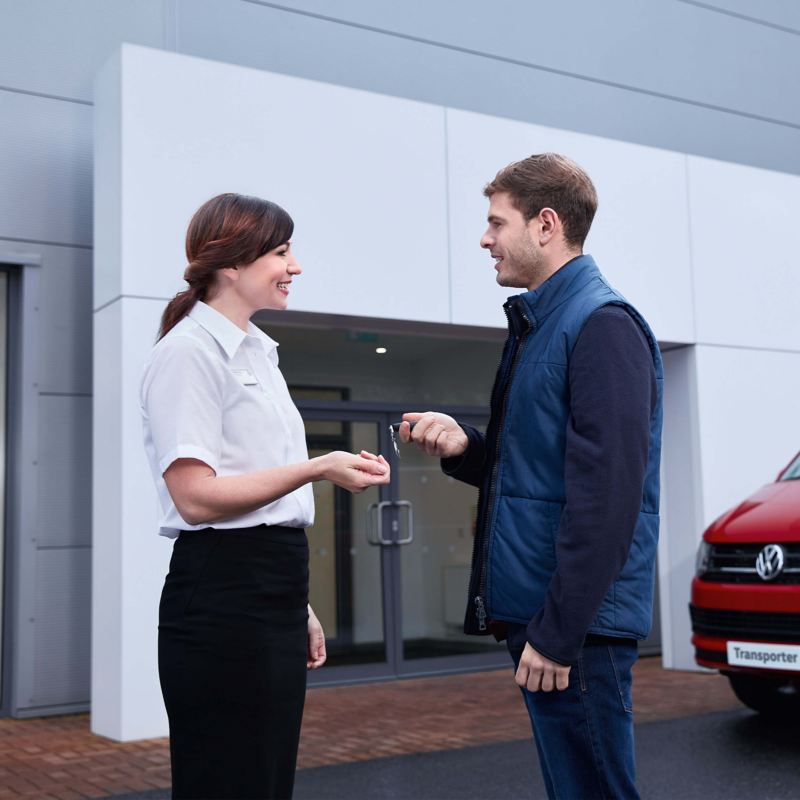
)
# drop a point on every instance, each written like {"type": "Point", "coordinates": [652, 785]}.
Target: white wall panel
{"type": "Point", "coordinates": [107, 566]}
{"type": "Point", "coordinates": [750, 428]}
{"type": "Point", "coordinates": [640, 236]}
{"type": "Point", "coordinates": [130, 559]}
{"type": "Point", "coordinates": [363, 176]}
{"type": "Point", "coordinates": [55, 46]}
{"type": "Point", "coordinates": [145, 554]}
{"type": "Point", "coordinates": [745, 265]}
{"type": "Point", "coordinates": [45, 169]}
{"type": "Point", "coordinates": [681, 505]}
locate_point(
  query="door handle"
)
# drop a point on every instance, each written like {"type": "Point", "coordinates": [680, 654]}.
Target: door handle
{"type": "Point", "coordinates": [375, 535]}
{"type": "Point", "coordinates": [409, 537]}
{"type": "Point", "coordinates": [375, 526]}
{"type": "Point", "coordinates": [372, 525]}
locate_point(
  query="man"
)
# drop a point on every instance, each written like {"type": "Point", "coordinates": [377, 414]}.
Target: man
{"type": "Point", "coordinates": [568, 470]}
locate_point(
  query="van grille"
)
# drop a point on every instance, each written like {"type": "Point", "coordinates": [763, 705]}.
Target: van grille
{"type": "Point", "coordinates": [747, 625]}
{"type": "Point", "coordinates": [736, 563]}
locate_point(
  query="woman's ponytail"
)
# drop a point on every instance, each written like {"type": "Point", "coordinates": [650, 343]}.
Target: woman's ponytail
{"type": "Point", "coordinates": [177, 309]}
{"type": "Point", "coordinates": [226, 231]}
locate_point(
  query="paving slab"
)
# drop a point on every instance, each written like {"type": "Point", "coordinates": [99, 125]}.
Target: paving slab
{"type": "Point", "coordinates": [59, 757]}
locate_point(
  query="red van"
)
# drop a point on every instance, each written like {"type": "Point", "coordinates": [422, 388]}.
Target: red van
{"type": "Point", "coordinates": [746, 596]}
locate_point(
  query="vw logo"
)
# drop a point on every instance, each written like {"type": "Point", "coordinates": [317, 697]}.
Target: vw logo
{"type": "Point", "coordinates": [769, 563]}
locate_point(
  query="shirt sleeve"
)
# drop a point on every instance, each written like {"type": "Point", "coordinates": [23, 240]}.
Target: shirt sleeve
{"type": "Point", "coordinates": [182, 399]}
{"type": "Point", "coordinates": [469, 466]}
{"type": "Point", "coordinates": [612, 388]}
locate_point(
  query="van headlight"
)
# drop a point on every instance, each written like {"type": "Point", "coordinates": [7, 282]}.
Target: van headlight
{"type": "Point", "coordinates": [703, 557]}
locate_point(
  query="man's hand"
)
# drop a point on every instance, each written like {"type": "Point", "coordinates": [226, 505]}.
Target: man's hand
{"type": "Point", "coordinates": [535, 672]}
{"type": "Point", "coordinates": [437, 434]}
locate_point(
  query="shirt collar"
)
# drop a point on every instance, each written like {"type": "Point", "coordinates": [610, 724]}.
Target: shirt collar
{"type": "Point", "coordinates": [228, 335]}
{"type": "Point", "coordinates": [267, 341]}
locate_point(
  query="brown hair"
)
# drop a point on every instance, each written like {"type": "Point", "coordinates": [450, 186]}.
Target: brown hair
{"type": "Point", "coordinates": [226, 231]}
{"type": "Point", "coordinates": [550, 180]}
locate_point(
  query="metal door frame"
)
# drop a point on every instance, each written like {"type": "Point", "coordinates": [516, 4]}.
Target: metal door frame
{"type": "Point", "coordinates": [395, 666]}
{"type": "Point", "coordinates": [21, 520]}
{"type": "Point", "coordinates": [5, 278]}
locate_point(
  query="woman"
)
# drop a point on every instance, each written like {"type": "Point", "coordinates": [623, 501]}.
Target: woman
{"type": "Point", "coordinates": [227, 449]}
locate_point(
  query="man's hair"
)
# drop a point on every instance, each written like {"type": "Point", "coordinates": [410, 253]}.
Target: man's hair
{"type": "Point", "coordinates": [550, 180]}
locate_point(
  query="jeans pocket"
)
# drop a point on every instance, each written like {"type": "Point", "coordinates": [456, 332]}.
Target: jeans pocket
{"type": "Point", "coordinates": [582, 675]}
{"type": "Point", "coordinates": [624, 681]}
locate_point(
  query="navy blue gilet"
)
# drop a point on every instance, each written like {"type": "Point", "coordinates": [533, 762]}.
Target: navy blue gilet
{"type": "Point", "coordinates": [523, 493]}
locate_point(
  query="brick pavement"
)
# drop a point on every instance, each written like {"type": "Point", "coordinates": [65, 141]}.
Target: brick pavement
{"type": "Point", "coordinates": [57, 758]}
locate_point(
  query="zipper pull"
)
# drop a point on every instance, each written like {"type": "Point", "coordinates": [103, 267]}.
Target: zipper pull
{"type": "Point", "coordinates": [481, 611]}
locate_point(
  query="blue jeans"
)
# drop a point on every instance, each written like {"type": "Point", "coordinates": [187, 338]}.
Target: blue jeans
{"type": "Point", "coordinates": [584, 733]}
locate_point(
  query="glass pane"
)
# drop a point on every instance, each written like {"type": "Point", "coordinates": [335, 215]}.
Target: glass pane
{"type": "Point", "coordinates": [320, 427]}
{"type": "Point", "coordinates": [324, 427]}
{"type": "Point", "coordinates": [345, 584]}
{"type": "Point", "coordinates": [436, 565]}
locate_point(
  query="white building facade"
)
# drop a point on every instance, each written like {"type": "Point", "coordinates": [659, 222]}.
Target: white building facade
{"type": "Point", "coordinates": [376, 130]}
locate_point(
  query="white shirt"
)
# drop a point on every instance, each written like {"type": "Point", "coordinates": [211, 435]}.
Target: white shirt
{"type": "Point", "coordinates": [212, 392]}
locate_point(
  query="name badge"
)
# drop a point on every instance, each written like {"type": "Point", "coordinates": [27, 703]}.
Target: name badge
{"type": "Point", "coordinates": [245, 377]}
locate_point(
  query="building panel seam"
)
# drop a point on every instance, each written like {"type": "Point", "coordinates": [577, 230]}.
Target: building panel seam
{"type": "Point", "coordinates": [31, 93]}
{"type": "Point", "coordinates": [744, 17]}
{"type": "Point", "coordinates": [528, 65]}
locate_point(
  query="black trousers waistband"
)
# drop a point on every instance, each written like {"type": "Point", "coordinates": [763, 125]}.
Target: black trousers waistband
{"type": "Point", "coordinates": [279, 534]}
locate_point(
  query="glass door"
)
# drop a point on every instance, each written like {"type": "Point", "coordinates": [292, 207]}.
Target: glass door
{"type": "Point", "coordinates": [347, 586]}
{"type": "Point", "coordinates": [435, 567]}
{"type": "Point", "coordinates": [389, 567]}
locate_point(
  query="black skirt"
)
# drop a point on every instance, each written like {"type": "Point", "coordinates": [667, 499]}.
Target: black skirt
{"type": "Point", "coordinates": [232, 649]}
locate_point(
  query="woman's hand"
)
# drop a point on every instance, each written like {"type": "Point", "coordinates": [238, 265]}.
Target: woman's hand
{"type": "Point", "coordinates": [316, 642]}
{"type": "Point", "coordinates": [354, 472]}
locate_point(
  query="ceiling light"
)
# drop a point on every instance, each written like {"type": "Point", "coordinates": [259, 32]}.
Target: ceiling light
{"type": "Point", "coordinates": [380, 350]}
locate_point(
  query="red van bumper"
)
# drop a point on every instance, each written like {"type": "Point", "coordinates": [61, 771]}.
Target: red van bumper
{"type": "Point", "coordinates": [723, 612]}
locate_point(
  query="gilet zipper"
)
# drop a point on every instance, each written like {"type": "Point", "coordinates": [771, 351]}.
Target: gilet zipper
{"type": "Point", "coordinates": [482, 536]}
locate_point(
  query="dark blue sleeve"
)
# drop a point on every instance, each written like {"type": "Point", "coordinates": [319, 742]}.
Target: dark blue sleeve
{"type": "Point", "coordinates": [612, 388]}
{"type": "Point", "coordinates": [469, 466]}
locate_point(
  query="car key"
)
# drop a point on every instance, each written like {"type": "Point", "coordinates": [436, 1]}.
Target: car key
{"type": "Point", "coordinates": [393, 429]}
